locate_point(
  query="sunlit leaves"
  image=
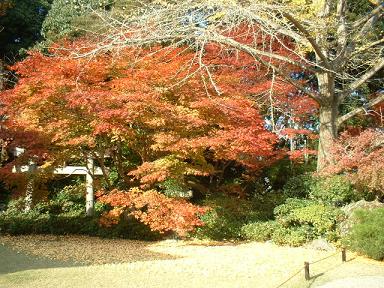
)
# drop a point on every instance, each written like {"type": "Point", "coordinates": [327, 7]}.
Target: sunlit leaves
{"type": "Point", "coordinates": [154, 209]}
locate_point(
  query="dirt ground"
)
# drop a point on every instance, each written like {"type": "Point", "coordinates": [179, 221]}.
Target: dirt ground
{"type": "Point", "coordinates": [95, 262]}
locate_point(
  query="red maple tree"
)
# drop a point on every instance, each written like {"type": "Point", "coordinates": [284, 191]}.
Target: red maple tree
{"type": "Point", "coordinates": [156, 113]}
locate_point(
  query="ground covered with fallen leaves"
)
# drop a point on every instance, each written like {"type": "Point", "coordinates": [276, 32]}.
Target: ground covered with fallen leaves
{"type": "Point", "coordinates": [84, 249]}
{"type": "Point", "coordinates": [95, 262]}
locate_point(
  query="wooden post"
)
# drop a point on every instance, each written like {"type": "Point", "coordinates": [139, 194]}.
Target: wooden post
{"type": "Point", "coordinates": [89, 199]}
{"type": "Point", "coordinates": [343, 255]}
{"type": "Point", "coordinates": [306, 271]}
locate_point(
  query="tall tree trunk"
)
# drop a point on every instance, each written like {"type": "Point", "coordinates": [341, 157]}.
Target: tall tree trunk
{"type": "Point", "coordinates": [327, 134]}
{"type": "Point", "coordinates": [89, 197]}
{"type": "Point", "coordinates": [329, 110]}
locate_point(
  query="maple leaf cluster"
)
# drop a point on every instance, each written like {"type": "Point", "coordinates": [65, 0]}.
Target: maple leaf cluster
{"type": "Point", "coordinates": [160, 213]}
{"type": "Point", "coordinates": [361, 158]}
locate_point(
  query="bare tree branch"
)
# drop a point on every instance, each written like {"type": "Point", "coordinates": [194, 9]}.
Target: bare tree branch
{"type": "Point", "coordinates": [357, 83]}
{"type": "Point", "coordinates": [309, 37]}
{"type": "Point", "coordinates": [369, 46]}
{"type": "Point", "coordinates": [220, 39]}
{"type": "Point", "coordinates": [371, 20]}
{"type": "Point", "coordinates": [375, 12]}
{"type": "Point", "coordinates": [359, 110]}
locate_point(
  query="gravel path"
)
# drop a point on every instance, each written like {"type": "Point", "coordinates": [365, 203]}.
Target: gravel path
{"type": "Point", "coordinates": [356, 282]}
{"type": "Point", "coordinates": [168, 264]}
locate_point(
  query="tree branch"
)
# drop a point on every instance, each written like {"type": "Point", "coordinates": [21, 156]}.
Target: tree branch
{"type": "Point", "coordinates": [257, 55]}
{"type": "Point", "coordinates": [359, 110]}
{"type": "Point", "coordinates": [370, 20]}
{"type": "Point", "coordinates": [367, 47]}
{"type": "Point", "coordinates": [357, 83]}
{"type": "Point", "coordinates": [378, 10]}
{"type": "Point", "coordinates": [220, 39]}
{"type": "Point", "coordinates": [309, 37]}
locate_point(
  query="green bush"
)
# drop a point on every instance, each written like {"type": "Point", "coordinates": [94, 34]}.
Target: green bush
{"type": "Point", "coordinates": [367, 234]}
{"type": "Point", "coordinates": [336, 190]}
{"type": "Point", "coordinates": [174, 188]}
{"type": "Point", "coordinates": [226, 218]}
{"type": "Point", "coordinates": [64, 213]}
{"type": "Point", "coordinates": [317, 218]}
{"type": "Point", "coordinates": [259, 231]}
{"type": "Point", "coordinates": [219, 225]}
{"type": "Point", "coordinates": [289, 205]}
{"type": "Point", "coordinates": [293, 236]}
{"type": "Point", "coordinates": [262, 206]}
{"type": "Point", "coordinates": [298, 186]}
{"type": "Point", "coordinates": [33, 223]}
{"type": "Point", "coordinates": [15, 206]}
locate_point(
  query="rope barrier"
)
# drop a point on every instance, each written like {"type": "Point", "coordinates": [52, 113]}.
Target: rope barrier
{"type": "Point", "coordinates": [301, 269]}
{"type": "Point", "coordinates": [311, 263]}
{"type": "Point", "coordinates": [329, 256]}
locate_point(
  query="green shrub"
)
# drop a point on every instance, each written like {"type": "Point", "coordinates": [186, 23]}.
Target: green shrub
{"type": "Point", "coordinates": [367, 234]}
{"type": "Point", "coordinates": [317, 218]}
{"type": "Point", "coordinates": [293, 236]}
{"type": "Point", "coordinates": [174, 188]}
{"type": "Point", "coordinates": [219, 225]}
{"type": "Point", "coordinates": [15, 206]}
{"type": "Point", "coordinates": [336, 190]}
{"type": "Point", "coordinates": [65, 214]}
{"type": "Point", "coordinates": [259, 231]}
{"type": "Point", "coordinates": [262, 206]}
{"type": "Point", "coordinates": [289, 205]}
{"type": "Point", "coordinates": [298, 186]}
{"type": "Point", "coordinates": [33, 223]}
{"type": "Point", "coordinates": [226, 218]}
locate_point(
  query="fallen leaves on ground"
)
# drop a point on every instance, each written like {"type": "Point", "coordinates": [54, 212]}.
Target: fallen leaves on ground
{"type": "Point", "coordinates": [84, 249]}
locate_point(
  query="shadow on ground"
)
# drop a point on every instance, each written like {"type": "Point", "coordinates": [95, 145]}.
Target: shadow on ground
{"type": "Point", "coordinates": [13, 261]}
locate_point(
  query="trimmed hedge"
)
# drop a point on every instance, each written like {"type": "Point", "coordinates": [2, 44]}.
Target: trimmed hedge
{"type": "Point", "coordinates": [30, 223]}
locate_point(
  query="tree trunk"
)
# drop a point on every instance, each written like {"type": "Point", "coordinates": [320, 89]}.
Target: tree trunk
{"type": "Point", "coordinates": [329, 110]}
{"type": "Point", "coordinates": [89, 198]}
{"type": "Point", "coordinates": [327, 134]}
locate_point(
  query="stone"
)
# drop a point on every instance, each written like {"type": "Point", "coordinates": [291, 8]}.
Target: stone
{"type": "Point", "coordinates": [320, 244]}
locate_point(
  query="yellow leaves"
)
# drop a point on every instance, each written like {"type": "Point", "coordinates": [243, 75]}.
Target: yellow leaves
{"type": "Point", "coordinates": [217, 16]}
{"type": "Point", "coordinates": [156, 122]}
{"type": "Point", "coordinates": [375, 2]}
{"type": "Point", "coordinates": [46, 165]}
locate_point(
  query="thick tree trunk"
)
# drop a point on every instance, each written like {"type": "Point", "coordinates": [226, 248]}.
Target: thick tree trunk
{"type": "Point", "coordinates": [327, 134]}
{"type": "Point", "coordinates": [329, 110]}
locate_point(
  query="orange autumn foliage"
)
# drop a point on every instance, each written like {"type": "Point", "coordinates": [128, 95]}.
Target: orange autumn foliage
{"type": "Point", "coordinates": [158, 103]}
{"type": "Point", "coordinates": [160, 213]}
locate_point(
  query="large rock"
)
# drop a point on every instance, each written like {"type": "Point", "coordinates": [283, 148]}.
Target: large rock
{"type": "Point", "coordinates": [321, 244]}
